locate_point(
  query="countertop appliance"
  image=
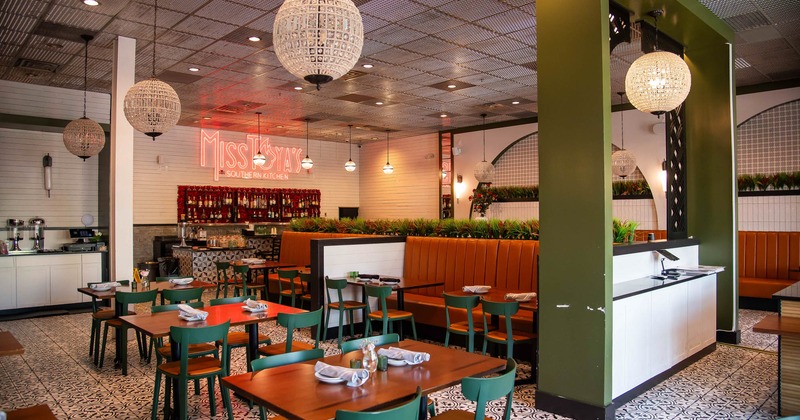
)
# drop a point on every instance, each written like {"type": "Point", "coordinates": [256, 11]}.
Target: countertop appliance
{"type": "Point", "coordinates": [37, 226]}
{"type": "Point", "coordinates": [15, 225]}
{"type": "Point", "coordinates": [81, 244]}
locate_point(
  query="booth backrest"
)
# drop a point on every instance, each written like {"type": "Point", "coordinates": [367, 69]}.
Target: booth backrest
{"type": "Point", "coordinates": [640, 235]}
{"type": "Point", "coordinates": [517, 265]}
{"type": "Point", "coordinates": [296, 246]}
{"type": "Point", "coordinates": [769, 255]}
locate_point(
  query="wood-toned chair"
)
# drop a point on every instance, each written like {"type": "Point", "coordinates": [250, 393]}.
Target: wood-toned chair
{"type": "Point", "coordinates": [222, 277]}
{"type": "Point", "coordinates": [238, 339]}
{"type": "Point", "coordinates": [467, 328]}
{"type": "Point", "coordinates": [204, 367]}
{"type": "Point", "coordinates": [181, 295]}
{"type": "Point", "coordinates": [240, 275]}
{"type": "Point", "coordinates": [483, 390]}
{"type": "Point", "coordinates": [294, 322]}
{"type": "Point", "coordinates": [378, 340]}
{"type": "Point", "coordinates": [405, 411]}
{"type": "Point", "coordinates": [341, 305]}
{"type": "Point", "coordinates": [281, 360]}
{"type": "Point", "coordinates": [509, 336]}
{"type": "Point", "coordinates": [386, 315]}
{"type": "Point", "coordinates": [305, 285]}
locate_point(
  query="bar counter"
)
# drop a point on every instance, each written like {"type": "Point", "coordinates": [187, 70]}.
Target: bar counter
{"type": "Point", "coordinates": [199, 263]}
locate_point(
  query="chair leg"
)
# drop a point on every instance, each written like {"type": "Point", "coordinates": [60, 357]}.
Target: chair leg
{"type": "Point", "coordinates": [341, 319]}
{"type": "Point", "coordinates": [196, 387]}
{"type": "Point", "coordinates": [261, 414]}
{"type": "Point", "coordinates": [485, 342]}
{"type": "Point", "coordinates": [156, 388]}
{"type": "Point", "coordinates": [97, 343]}
{"type": "Point", "coordinates": [212, 399]}
{"type": "Point", "coordinates": [102, 353]}
{"type": "Point", "coordinates": [226, 397]}
{"type": "Point", "coordinates": [92, 338]}
{"type": "Point", "coordinates": [447, 338]}
{"type": "Point", "coordinates": [183, 394]}
{"type": "Point", "coordinates": [167, 397]}
{"type": "Point", "coordinates": [327, 321]}
{"type": "Point", "coordinates": [350, 321]}
{"type": "Point", "coordinates": [413, 327]}
{"type": "Point", "coordinates": [471, 342]}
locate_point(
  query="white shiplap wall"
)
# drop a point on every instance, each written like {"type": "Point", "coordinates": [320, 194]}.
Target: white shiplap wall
{"type": "Point", "coordinates": [412, 191]}
{"type": "Point", "coordinates": [22, 193]}
{"type": "Point", "coordinates": [156, 185]}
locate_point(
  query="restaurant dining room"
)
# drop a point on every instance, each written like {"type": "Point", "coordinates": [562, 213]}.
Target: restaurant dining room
{"type": "Point", "coordinates": [445, 209]}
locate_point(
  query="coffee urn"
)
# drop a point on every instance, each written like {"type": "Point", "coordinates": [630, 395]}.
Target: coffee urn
{"type": "Point", "coordinates": [37, 226]}
{"type": "Point", "coordinates": [182, 226]}
{"type": "Point", "coordinates": [15, 225]}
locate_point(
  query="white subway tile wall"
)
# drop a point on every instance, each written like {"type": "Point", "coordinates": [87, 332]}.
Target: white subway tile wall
{"type": "Point", "coordinates": [771, 213]}
{"type": "Point", "coordinates": [770, 141]}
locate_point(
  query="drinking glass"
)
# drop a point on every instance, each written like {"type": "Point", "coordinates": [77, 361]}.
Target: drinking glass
{"type": "Point", "coordinates": [370, 361]}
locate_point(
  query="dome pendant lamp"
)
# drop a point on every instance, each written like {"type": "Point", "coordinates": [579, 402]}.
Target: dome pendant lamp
{"type": "Point", "coordinates": [318, 40]}
{"type": "Point", "coordinates": [350, 166]}
{"type": "Point", "coordinates": [623, 162]}
{"type": "Point", "coordinates": [307, 163]}
{"type": "Point", "coordinates": [484, 171]}
{"type": "Point", "coordinates": [658, 82]}
{"type": "Point", "coordinates": [388, 168]}
{"type": "Point", "coordinates": [259, 159]}
{"type": "Point", "coordinates": [151, 106]}
{"type": "Point", "coordinates": [84, 137]}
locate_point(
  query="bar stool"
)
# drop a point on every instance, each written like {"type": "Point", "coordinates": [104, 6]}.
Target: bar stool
{"type": "Point", "coordinates": [222, 277]}
{"type": "Point", "coordinates": [342, 306]}
{"type": "Point", "coordinates": [467, 327]}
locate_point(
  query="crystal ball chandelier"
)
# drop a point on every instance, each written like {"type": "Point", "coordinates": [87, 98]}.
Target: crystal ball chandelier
{"type": "Point", "coordinates": [84, 137]}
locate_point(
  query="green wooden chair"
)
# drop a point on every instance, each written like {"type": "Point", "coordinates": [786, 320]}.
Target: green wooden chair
{"type": "Point", "coordinates": [509, 337]}
{"type": "Point", "coordinates": [483, 390]}
{"type": "Point", "coordinates": [283, 292]}
{"type": "Point", "coordinates": [240, 274]}
{"type": "Point", "coordinates": [305, 294]}
{"type": "Point", "coordinates": [378, 340]}
{"type": "Point", "coordinates": [181, 295]}
{"type": "Point", "coordinates": [468, 327]}
{"type": "Point", "coordinates": [406, 411]}
{"type": "Point", "coordinates": [222, 277]}
{"type": "Point", "coordinates": [281, 360]}
{"type": "Point", "coordinates": [98, 316]}
{"type": "Point", "coordinates": [125, 299]}
{"type": "Point", "coordinates": [238, 339]}
{"type": "Point", "coordinates": [293, 322]}
{"type": "Point", "coordinates": [190, 368]}
{"type": "Point", "coordinates": [385, 314]}
{"type": "Point", "coordinates": [341, 306]}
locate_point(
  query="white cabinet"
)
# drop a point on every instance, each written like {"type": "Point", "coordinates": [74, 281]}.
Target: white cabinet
{"type": "Point", "coordinates": [33, 283]}
{"type": "Point", "coordinates": [65, 279]}
{"type": "Point", "coordinates": [8, 283]}
{"type": "Point", "coordinates": [92, 271]}
{"type": "Point", "coordinates": [43, 280]}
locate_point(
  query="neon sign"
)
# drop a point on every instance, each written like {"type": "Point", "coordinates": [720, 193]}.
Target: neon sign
{"type": "Point", "coordinates": [235, 159]}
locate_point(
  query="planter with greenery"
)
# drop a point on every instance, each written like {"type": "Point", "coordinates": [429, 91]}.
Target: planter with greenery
{"type": "Point", "coordinates": [779, 183]}
{"type": "Point", "coordinates": [486, 195]}
{"type": "Point", "coordinates": [623, 231]}
{"type": "Point", "coordinates": [447, 228]}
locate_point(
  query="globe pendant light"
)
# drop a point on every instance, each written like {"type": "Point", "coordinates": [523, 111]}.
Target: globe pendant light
{"type": "Point", "coordinates": [484, 171]}
{"type": "Point", "coordinates": [623, 162]}
{"type": "Point", "coordinates": [84, 137]}
{"type": "Point", "coordinates": [259, 159]}
{"type": "Point", "coordinates": [659, 81]}
{"type": "Point", "coordinates": [350, 166]}
{"type": "Point", "coordinates": [151, 106]}
{"type": "Point", "coordinates": [307, 163]}
{"type": "Point", "coordinates": [388, 168]}
{"type": "Point", "coordinates": [318, 40]}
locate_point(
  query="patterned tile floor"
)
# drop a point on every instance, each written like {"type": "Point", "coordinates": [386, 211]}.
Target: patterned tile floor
{"type": "Point", "coordinates": [734, 382]}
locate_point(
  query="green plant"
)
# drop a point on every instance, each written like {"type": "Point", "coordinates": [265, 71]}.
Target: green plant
{"type": "Point", "coordinates": [482, 198]}
{"type": "Point", "coordinates": [631, 188]}
{"type": "Point", "coordinates": [623, 231]}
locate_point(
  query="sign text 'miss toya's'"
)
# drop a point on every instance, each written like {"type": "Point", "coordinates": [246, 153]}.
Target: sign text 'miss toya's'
{"type": "Point", "coordinates": [235, 159]}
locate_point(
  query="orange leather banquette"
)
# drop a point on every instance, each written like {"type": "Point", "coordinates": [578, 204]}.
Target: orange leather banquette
{"type": "Point", "coordinates": [296, 250]}
{"type": "Point", "coordinates": [765, 259]}
{"type": "Point", "coordinates": [640, 235]}
{"type": "Point", "coordinates": [501, 263]}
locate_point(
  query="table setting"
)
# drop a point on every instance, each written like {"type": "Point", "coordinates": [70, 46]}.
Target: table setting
{"type": "Point", "coordinates": [187, 313]}
{"type": "Point", "coordinates": [182, 281]}
{"type": "Point", "coordinates": [255, 306]}
{"type": "Point", "coordinates": [402, 357]}
{"type": "Point", "coordinates": [353, 377]}
{"type": "Point", "coordinates": [520, 297]}
{"type": "Point", "coordinates": [102, 287]}
{"type": "Point", "coordinates": [477, 289]}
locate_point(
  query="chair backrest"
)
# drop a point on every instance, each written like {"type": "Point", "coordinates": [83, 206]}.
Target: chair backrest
{"type": "Point", "coordinates": [305, 280]}
{"type": "Point", "coordinates": [462, 302]}
{"type": "Point", "coordinates": [335, 284]}
{"type": "Point", "coordinates": [235, 299]}
{"type": "Point", "coordinates": [222, 270]}
{"type": "Point", "coordinates": [129, 298]}
{"type": "Point", "coordinates": [184, 336]}
{"type": "Point", "coordinates": [301, 320]}
{"type": "Point", "coordinates": [173, 307]}
{"type": "Point", "coordinates": [182, 295]}
{"type": "Point", "coordinates": [506, 309]}
{"type": "Point", "coordinates": [378, 340]}
{"type": "Point", "coordinates": [407, 411]}
{"type": "Point", "coordinates": [276, 248]}
{"type": "Point", "coordinates": [483, 390]}
{"type": "Point", "coordinates": [288, 275]}
{"type": "Point", "coordinates": [380, 292]}
{"type": "Point", "coordinates": [286, 359]}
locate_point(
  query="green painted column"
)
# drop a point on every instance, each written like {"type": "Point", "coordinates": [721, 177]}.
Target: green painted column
{"type": "Point", "coordinates": [711, 166]}
{"type": "Point", "coordinates": [575, 206]}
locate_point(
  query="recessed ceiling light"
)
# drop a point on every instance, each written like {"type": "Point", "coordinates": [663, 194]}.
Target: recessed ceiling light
{"type": "Point", "coordinates": [196, 121]}
{"type": "Point", "coordinates": [91, 2]}
{"type": "Point", "coordinates": [514, 102]}
{"type": "Point", "coordinates": [358, 127]}
{"type": "Point", "coordinates": [368, 66]}
{"type": "Point", "coordinates": [451, 86]}
{"type": "Point", "coordinates": [298, 88]}
{"type": "Point", "coordinates": [443, 115]}
{"type": "Point", "coordinates": [254, 38]}
{"type": "Point", "coordinates": [278, 126]}
{"type": "Point", "coordinates": [206, 118]}
{"type": "Point", "coordinates": [378, 103]}
{"type": "Point", "coordinates": [193, 69]}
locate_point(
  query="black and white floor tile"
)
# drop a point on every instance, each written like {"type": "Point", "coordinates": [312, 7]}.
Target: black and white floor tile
{"type": "Point", "coordinates": [734, 382]}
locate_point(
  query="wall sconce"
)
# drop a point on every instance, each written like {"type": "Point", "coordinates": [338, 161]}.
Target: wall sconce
{"type": "Point", "coordinates": [459, 187]}
{"type": "Point", "coordinates": [664, 175]}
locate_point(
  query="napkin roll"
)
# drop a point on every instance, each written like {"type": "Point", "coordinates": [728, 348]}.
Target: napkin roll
{"type": "Point", "coordinates": [105, 284]}
{"type": "Point", "coordinates": [409, 356]}
{"type": "Point", "coordinates": [255, 305]}
{"type": "Point", "coordinates": [354, 377]}
{"type": "Point", "coordinates": [186, 311]}
{"type": "Point", "coordinates": [182, 280]}
{"type": "Point", "coordinates": [520, 296]}
{"type": "Point", "coordinates": [476, 289]}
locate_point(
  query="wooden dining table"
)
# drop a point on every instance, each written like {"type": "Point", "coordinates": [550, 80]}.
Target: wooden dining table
{"type": "Point", "coordinates": [317, 400]}
{"type": "Point", "coordinates": [265, 267]}
{"type": "Point", "coordinates": [121, 358]}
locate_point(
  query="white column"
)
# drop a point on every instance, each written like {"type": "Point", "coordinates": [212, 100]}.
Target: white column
{"type": "Point", "coordinates": [121, 183]}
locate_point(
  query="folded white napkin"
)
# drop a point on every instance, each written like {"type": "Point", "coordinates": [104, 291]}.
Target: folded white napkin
{"type": "Point", "coordinates": [521, 297]}
{"type": "Point", "coordinates": [409, 356]}
{"type": "Point", "coordinates": [188, 313]}
{"type": "Point", "coordinates": [182, 280]}
{"type": "Point", "coordinates": [255, 306]}
{"type": "Point", "coordinates": [253, 260]}
{"type": "Point", "coordinates": [354, 377]}
{"type": "Point", "coordinates": [105, 285]}
{"type": "Point", "coordinates": [477, 289]}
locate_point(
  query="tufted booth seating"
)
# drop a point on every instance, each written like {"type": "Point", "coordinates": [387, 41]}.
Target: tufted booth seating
{"type": "Point", "coordinates": [765, 259]}
{"type": "Point", "coordinates": [507, 264]}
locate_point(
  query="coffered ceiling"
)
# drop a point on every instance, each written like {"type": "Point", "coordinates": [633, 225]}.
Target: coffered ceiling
{"type": "Point", "coordinates": [486, 48]}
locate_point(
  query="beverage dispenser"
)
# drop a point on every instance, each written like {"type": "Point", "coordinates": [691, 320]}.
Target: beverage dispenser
{"type": "Point", "coordinates": [37, 226]}
{"type": "Point", "coordinates": [15, 225]}
{"type": "Point", "coordinates": [182, 227]}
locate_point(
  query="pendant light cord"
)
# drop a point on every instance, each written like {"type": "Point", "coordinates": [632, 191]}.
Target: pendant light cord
{"type": "Point", "coordinates": [351, 142]}
{"type": "Point", "coordinates": [622, 120]}
{"type": "Point", "coordinates": [306, 138]}
{"type": "Point", "coordinates": [258, 135]}
{"type": "Point", "coordinates": [155, 16]}
{"type": "Point", "coordinates": [387, 147]}
{"type": "Point", "coordinates": [85, 71]}
{"type": "Point", "coordinates": [484, 136]}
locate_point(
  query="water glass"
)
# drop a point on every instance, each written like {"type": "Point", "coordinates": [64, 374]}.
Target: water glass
{"type": "Point", "coordinates": [370, 361]}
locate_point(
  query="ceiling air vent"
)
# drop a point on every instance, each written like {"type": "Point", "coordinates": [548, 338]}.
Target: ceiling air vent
{"type": "Point", "coordinates": [747, 21]}
{"type": "Point", "coordinates": [352, 74]}
{"type": "Point", "coordinates": [238, 107]}
{"type": "Point", "coordinates": [37, 65]}
{"type": "Point", "coordinates": [57, 30]}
